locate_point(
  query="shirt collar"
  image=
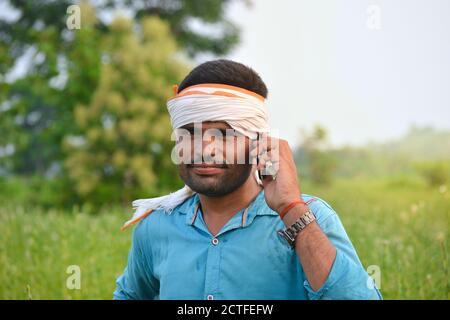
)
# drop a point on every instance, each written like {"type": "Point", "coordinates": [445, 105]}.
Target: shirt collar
{"type": "Point", "coordinates": [257, 207]}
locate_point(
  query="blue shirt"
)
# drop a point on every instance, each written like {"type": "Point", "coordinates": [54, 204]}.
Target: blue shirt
{"type": "Point", "coordinates": [174, 256]}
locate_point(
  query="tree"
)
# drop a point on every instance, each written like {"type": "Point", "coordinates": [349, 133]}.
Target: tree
{"type": "Point", "coordinates": [313, 158]}
{"type": "Point", "coordinates": [123, 146]}
{"type": "Point", "coordinates": [36, 108]}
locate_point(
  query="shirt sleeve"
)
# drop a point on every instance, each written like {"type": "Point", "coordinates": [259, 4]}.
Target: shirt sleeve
{"type": "Point", "coordinates": [347, 278]}
{"type": "Point", "coordinates": [137, 281]}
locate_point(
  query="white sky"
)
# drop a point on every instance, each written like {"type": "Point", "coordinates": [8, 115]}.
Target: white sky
{"type": "Point", "coordinates": [322, 64]}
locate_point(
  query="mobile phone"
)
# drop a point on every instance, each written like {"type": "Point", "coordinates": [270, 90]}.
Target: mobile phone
{"type": "Point", "coordinates": [259, 176]}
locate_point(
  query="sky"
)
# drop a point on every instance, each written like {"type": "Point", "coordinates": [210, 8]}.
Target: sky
{"type": "Point", "coordinates": [365, 70]}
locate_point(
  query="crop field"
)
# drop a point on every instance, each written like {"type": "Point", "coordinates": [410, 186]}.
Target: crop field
{"type": "Point", "coordinates": [400, 228]}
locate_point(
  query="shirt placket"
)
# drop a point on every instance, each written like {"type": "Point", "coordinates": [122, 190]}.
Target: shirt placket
{"type": "Point", "coordinates": [212, 275]}
{"type": "Point", "coordinates": [212, 270]}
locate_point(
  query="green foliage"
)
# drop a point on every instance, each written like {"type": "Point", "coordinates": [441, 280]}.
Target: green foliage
{"type": "Point", "coordinates": [314, 160]}
{"type": "Point", "coordinates": [62, 72]}
{"type": "Point", "coordinates": [62, 67]}
{"type": "Point", "coordinates": [436, 173]}
{"type": "Point", "coordinates": [123, 147]}
{"type": "Point", "coordinates": [395, 158]}
{"type": "Point", "coordinates": [36, 248]}
{"type": "Point", "coordinates": [384, 224]}
{"type": "Point", "coordinates": [35, 191]}
{"type": "Point", "coordinates": [400, 181]}
{"type": "Point", "coordinates": [418, 144]}
{"type": "Point", "coordinates": [322, 167]}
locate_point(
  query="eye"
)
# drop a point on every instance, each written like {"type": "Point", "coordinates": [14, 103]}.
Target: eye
{"type": "Point", "coordinates": [182, 134]}
{"type": "Point", "coordinates": [234, 133]}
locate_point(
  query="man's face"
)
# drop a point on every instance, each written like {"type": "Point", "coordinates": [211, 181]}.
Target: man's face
{"type": "Point", "coordinates": [220, 163]}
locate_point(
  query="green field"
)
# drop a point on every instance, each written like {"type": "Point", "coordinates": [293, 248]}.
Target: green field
{"type": "Point", "coordinates": [401, 227]}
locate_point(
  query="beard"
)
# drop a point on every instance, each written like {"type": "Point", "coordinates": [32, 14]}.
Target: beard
{"type": "Point", "coordinates": [228, 179]}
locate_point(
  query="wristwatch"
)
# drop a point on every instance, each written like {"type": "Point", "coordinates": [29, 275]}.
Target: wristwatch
{"type": "Point", "coordinates": [290, 233]}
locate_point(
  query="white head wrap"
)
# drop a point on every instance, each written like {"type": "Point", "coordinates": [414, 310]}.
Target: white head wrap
{"type": "Point", "coordinates": [243, 110]}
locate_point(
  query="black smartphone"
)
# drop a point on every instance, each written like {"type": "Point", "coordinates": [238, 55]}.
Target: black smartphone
{"type": "Point", "coordinates": [260, 176]}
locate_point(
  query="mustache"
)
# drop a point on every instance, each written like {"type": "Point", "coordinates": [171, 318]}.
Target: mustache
{"type": "Point", "coordinates": [204, 164]}
{"type": "Point", "coordinates": [205, 160]}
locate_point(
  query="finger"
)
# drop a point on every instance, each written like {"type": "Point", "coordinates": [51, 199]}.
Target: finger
{"type": "Point", "coordinates": [272, 155]}
{"type": "Point", "coordinates": [261, 164]}
{"type": "Point", "coordinates": [268, 143]}
{"type": "Point", "coordinates": [264, 143]}
{"type": "Point", "coordinates": [268, 167]}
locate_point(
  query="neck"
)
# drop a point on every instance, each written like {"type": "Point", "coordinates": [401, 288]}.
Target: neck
{"type": "Point", "coordinates": [227, 205]}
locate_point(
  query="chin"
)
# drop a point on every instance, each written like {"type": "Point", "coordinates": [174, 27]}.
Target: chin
{"type": "Point", "coordinates": [207, 186]}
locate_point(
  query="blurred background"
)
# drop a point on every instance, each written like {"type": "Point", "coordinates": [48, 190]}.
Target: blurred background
{"type": "Point", "coordinates": [360, 89]}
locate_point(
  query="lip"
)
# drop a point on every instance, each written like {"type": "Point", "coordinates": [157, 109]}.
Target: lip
{"type": "Point", "coordinates": [207, 169]}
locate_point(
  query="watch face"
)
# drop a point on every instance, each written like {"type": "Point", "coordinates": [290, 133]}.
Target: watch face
{"type": "Point", "coordinates": [286, 237]}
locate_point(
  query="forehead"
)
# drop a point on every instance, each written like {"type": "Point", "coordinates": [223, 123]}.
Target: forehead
{"type": "Point", "coordinates": [209, 125]}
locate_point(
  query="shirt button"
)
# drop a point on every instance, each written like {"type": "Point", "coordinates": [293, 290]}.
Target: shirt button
{"type": "Point", "coordinates": [210, 297]}
{"type": "Point", "coordinates": [215, 241]}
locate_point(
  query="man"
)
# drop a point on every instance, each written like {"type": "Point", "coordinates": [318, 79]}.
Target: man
{"type": "Point", "coordinates": [232, 233]}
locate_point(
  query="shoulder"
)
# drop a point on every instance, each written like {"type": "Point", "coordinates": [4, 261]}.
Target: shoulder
{"type": "Point", "coordinates": [160, 219]}
{"type": "Point", "coordinates": [319, 207]}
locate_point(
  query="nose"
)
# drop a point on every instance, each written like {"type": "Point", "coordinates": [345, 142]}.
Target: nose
{"type": "Point", "coordinates": [203, 150]}
{"type": "Point", "coordinates": [209, 151]}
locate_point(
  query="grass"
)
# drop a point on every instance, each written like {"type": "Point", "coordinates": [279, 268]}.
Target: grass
{"type": "Point", "coordinates": [402, 228]}
{"type": "Point", "coordinates": [36, 248]}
